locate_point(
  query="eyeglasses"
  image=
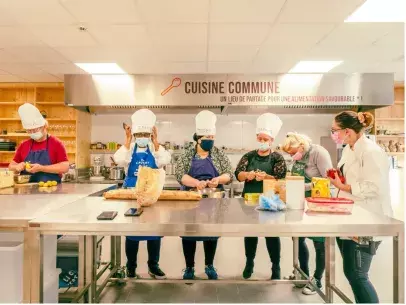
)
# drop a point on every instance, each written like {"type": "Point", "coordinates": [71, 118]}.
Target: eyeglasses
{"type": "Point", "coordinates": [335, 130]}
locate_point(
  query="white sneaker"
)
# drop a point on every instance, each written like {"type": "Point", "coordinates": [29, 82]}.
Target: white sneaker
{"type": "Point", "coordinates": [309, 290]}
{"type": "Point", "coordinates": [292, 277]}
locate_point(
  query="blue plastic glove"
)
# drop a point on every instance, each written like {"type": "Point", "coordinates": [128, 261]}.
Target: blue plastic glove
{"type": "Point", "coordinates": [271, 202]}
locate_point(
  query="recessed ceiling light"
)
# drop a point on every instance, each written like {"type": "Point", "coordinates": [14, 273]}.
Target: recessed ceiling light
{"type": "Point", "coordinates": [101, 68]}
{"type": "Point", "coordinates": [380, 11]}
{"type": "Point", "coordinates": [314, 66]}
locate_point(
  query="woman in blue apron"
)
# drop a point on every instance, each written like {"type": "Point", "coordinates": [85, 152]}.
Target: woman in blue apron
{"type": "Point", "coordinates": [199, 167]}
{"type": "Point", "coordinates": [140, 154]}
{"type": "Point", "coordinates": [40, 157]}
{"type": "Point", "coordinates": [310, 160]}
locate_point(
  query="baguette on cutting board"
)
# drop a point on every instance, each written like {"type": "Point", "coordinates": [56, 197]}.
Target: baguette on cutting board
{"type": "Point", "coordinates": [129, 194]}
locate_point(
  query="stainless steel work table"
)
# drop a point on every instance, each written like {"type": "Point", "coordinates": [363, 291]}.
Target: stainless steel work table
{"type": "Point", "coordinates": [213, 217]}
{"type": "Point", "coordinates": [28, 203]}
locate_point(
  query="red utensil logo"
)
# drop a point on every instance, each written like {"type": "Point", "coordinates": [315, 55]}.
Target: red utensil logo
{"type": "Point", "coordinates": [176, 82]}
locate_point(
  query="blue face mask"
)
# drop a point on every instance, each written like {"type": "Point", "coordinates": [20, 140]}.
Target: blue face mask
{"type": "Point", "coordinates": [142, 142]}
{"type": "Point", "coordinates": [36, 135]}
{"type": "Point", "coordinates": [207, 144]}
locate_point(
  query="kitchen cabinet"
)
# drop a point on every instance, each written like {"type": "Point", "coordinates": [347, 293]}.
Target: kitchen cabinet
{"type": "Point", "coordinates": [71, 126]}
{"type": "Point", "coordinates": [390, 122]}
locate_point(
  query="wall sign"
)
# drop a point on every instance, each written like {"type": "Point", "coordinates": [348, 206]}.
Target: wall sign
{"type": "Point", "coordinates": [230, 90]}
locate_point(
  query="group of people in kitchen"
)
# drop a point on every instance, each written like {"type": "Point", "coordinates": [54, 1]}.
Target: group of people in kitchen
{"type": "Point", "coordinates": [203, 165]}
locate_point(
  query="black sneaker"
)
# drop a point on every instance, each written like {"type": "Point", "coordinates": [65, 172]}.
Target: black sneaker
{"type": "Point", "coordinates": [248, 270]}
{"type": "Point", "coordinates": [309, 289]}
{"type": "Point", "coordinates": [157, 273]}
{"type": "Point", "coordinates": [131, 273]}
{"type": "Point", "coordinates": [276, 273]}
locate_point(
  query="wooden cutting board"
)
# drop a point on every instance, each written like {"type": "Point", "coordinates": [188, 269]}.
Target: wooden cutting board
{"type": "Point", "coordinates": [25, 184]}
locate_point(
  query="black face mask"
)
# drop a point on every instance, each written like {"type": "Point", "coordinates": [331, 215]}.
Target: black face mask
{"type": "Point", "coordinates": [206, 144]}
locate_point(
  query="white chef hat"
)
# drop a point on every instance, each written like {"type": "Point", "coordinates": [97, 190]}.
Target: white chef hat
{"type": "Point", "coordinates": [30, 116]}
{"type": "Point", "coordinates": [205, 123]}
{"type": "Point", "coordinates": [269, 124]}
{"type": "Point", "coordinates": [143, 120]}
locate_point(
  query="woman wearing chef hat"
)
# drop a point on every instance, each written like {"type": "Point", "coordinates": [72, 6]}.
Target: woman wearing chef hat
{"type": "Point", "coordinates": [201, 166]}
{"type": "Point", "coordinates": [309, 160]}
{"type": "Point", "coordinates": [146, 151]}
{"type": "Point", "coordinates": [45, 153]}
{"type": "Point", "coordinates": [365, 167]}
{"type": "Point", "coordinates": [252, 169]}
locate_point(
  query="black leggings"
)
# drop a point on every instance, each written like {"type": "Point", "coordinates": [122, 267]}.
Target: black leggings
{"type": "Point", "coordinates": [189, 250]}
{"type": "Point", "coordinates": [304, 257]}
{"type": "Point", "coordinates": [131, 251]}
{"type": "Point", "coordinates": [273, 244]}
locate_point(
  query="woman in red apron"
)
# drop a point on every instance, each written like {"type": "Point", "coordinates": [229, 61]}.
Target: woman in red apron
{"type": "Point", "coordinates": [144, 152]}
{"type": "Point", "coordinates": [45, 153]}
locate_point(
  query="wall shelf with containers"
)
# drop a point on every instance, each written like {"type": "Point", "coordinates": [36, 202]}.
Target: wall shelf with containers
{"type": "Point", "coordinates": [72, 127]}
{"type": "Point", "coordinates": [389, 126]}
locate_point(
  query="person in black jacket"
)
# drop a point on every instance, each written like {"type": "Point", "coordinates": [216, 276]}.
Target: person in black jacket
{"type": "Point", "coordinates": [253, 168]}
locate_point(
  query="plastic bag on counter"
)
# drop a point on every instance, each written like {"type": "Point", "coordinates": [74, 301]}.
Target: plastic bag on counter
{"type": "Point", "coordinates": [271, 202]}
{"type": "Point", "coordinates": [149, 185]}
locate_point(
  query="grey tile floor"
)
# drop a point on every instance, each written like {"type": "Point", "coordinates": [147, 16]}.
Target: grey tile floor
{"type": "Point", "coordinates": [230, 262]}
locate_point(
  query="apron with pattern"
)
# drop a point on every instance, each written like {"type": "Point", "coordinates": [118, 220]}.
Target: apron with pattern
{"type": "Point", "coordinates": [139, 159]}
{"type": "Point", "coordinates": [40, 157]}
{"type": "Point", "coordinates": [202, 169]}
{"type": "Point", "coordinates": [299, 169]}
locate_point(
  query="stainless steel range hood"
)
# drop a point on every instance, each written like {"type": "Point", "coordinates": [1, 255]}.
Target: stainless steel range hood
{"type": "Point", "coordinates": [229, 94]}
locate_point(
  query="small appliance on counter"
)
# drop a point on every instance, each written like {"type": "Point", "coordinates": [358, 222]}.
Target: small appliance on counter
{"type": "Point", "coordinates": [97, 170]}
{"type": "Point", "coordinates": [115, 173]}
{"type": "Point", "coordinates": [7, 145]}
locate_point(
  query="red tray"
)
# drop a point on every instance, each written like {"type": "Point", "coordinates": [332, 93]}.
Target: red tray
{"type": "Point", "coordinates": [329, 200]}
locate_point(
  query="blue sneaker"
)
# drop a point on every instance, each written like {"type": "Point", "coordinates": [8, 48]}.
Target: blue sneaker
{"type": "Point", "coordinates": [189, 273]}
{"type": "Point", "coordinates": [211, 272]}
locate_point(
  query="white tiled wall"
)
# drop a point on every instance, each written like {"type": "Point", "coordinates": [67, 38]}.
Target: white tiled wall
{"type": "Point", "coordinates": [233, 131]}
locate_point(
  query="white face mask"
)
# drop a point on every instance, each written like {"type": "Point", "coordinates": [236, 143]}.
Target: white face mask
{"type": "Point", "coordinates": [264, 146]}
{"type": "Point", "coordinates": [142, 142]}
{"type": "Point", "coordinates": [36, 135]}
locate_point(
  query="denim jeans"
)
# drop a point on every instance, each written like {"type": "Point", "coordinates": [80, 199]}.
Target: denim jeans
{"type": "Point", "coordinates": [304, 257]}
{"type": "Point", "coordinates": [356, 266]}
{"type": "Point", "coordinates": [131, 251]}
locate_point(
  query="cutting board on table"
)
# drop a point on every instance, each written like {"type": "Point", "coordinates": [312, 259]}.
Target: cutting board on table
{"type": "Point", "coordinates": [26, 184]}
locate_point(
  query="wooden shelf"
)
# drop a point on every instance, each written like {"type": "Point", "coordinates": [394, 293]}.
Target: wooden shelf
{"type": "Point", "coordinates": [396, 153]}
{"type": "Point", "coordinates": [390, 136]}
{"type": "Point", "coordinates": [48, 119]}
{"type": "Point", "coordinates": [51, 103]}
{"type": "Point", "coordinates": [389, 119]}
{"type": "Point", "coordinates": [14, 103]}
{"type": "Point", "coordinates": [102, 151]}
{"type": "Point", "coordinates": [25, 135]}
{"type": "Point", "coordinates": [60, 120]}
{"type": "Point", "coordinates": [50, 98]}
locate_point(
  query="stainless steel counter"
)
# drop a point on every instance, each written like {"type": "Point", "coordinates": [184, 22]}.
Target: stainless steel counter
{"type": "Point", "coordinates": [210, 217]}
{"type": "Point", "coordinates": [17, 210]}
